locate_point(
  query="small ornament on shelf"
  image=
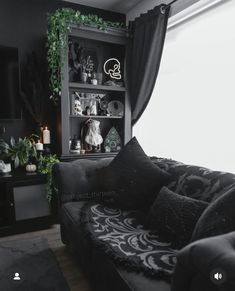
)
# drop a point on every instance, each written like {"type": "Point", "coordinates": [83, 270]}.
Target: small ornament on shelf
{"type": "Point", "coordinates": [77, 107]}
{"type": "Point", "coordinates": [30, 168]}
{"type": "Point", "coordinates": [88, 110]}
{"type": "Point", "coordinates": [107, 149]}
{"type": "Point", "coordinates": [113, 140]}
{"type": "Point", "coordinates": [99, 77]}
{"type": "Point", "coordinates": [103, 106]}
{"type": "Point", "coordinates": [114, 83]}
{"type": "Point", "coordinates": [91, 136]}
{"type": "Point", "coordinates": [75, 146]}
{"type": "Point", "coordinates": [94, 80]}
{"type": "Point", "coordinates": [87, 64]}
{"type": "Point", "coordinates": [5, 167]}
{"type": "Point", "coordinates": [93, 107]}
{"type": "Point", "coordinates": [76, 104]}
{"type": "Point", "coordinates": [84, 77]}
{"type": "Point", "coordinates": [115, 108]}
{"type": "Point", "coordinates": [112, 67]}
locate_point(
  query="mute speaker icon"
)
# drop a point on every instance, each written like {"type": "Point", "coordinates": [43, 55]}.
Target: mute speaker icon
{"type": "Point", "coordinates": [218, 276]}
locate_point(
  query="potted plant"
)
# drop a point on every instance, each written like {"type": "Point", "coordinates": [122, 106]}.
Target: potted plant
{"type": "Point", "coordinates": [21, 152]}
{"type": "Point", "coordinates": [87, 68]}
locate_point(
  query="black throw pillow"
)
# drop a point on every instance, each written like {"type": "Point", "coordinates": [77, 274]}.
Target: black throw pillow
{"type": "Point", "coordinates": [134, 177]}
{"type": "Point", "coordinates": [219, 217]}
{"type": "Point", "coordinates": [175, 216]}
{"type": "Point", "coordinates": [81, 180]}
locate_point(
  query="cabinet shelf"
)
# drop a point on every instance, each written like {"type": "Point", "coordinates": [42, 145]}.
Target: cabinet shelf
{"type": "Point", "coordinates": [96, 116]}
{"type": "Point", "coordinates": [73, 85]}
{"type": "Point", "coordinates": [72, 156]}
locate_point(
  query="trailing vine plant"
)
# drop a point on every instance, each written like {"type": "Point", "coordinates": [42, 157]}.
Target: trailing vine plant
{"type": "Point", "coordinates": [45, 164]}
{"type": "Point", "coordinates": [59, 25]}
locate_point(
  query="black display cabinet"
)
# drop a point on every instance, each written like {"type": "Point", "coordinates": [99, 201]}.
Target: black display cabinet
{"type": "Point", "coordinates": [101, 55]}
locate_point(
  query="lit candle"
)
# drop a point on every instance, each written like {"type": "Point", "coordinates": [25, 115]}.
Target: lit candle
{"type": "Point", "coordinates": [39, 146]}
{"type": "Point", "coordinates": [46, 136]}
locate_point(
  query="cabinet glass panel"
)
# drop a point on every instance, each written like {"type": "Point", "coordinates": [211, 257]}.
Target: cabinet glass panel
{"type": "Point", "coordinates": [30, 202]}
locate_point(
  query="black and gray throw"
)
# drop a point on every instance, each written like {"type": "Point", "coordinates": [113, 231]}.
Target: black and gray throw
{"type": "Point", "coordinates": [122, 236]}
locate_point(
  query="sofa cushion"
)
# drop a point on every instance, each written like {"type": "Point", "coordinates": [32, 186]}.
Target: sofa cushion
{"type": "Point", "coordinates": [175, 215]}
{"type": "Point", "coordinates": [218, 218]}
{"type": "Point", "coordinates": [112, 276]}
{"type": "Point", "coordinates": [80, 180]}
{"type": "Point", "coordinates": [134, 177]}
{"type": "Point", "coordinates": [139, 282]}
{"type": "Point", "coordinates": [74, 237]}
{"type": "Point", "coordinates": [73, 211]}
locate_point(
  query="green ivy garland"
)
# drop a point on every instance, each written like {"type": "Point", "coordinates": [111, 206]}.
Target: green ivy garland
{"type": "Point", "coordinates": [59, 25]}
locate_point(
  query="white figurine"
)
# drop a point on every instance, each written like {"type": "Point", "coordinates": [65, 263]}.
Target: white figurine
{"type": "Point", "coordinates": [93, 107]}
{"type": "Point", "coordinates": [77, 107]}
{"type": "Point", "coordinates": [93, 136]}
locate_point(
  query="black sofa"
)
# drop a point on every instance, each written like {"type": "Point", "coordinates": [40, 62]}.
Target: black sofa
{"type": "Point", "coordinates": [196, 261]}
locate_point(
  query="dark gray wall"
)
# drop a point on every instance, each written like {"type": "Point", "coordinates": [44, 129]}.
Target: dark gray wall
{"type": "Point", "coordinates": [23, 24]}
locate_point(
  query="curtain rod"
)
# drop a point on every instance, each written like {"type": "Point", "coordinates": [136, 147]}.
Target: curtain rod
{"type": "Point", "coordinates": [163, 6]}
{"type": "Point", "coordinates": [193, 10]}
{"type": "Point", "coordinates": [172, 2]}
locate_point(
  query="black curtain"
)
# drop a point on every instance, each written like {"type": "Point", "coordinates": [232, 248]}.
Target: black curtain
{"type": "Point", "coordinates": [149, 32]}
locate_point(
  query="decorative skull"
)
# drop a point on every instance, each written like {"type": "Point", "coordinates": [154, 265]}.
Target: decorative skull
{"type": "Point", "coordinates": [77, 107]}
{"type": "Point", "coordinates": [112, 68]}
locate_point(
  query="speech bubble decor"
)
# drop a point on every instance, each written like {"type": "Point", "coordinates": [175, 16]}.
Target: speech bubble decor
{"type": "Point", "coordinates": [112, 67]}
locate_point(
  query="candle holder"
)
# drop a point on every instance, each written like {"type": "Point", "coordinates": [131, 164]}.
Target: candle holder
{"type": "Point", "coordinates": [47, 148]}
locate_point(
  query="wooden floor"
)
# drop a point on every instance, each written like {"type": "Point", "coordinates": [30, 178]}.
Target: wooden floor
{"type": "Point", "coordinates": [68, 265]}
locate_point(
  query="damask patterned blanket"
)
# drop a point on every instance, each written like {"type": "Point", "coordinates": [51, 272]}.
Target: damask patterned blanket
{"type": "Point", "coordinates": [194, 181]}
{"type": "Point", "coordinates": [122, 236]}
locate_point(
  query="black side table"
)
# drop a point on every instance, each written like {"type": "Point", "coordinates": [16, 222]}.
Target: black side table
{"type": "Point", "coordinates": [23, 203]}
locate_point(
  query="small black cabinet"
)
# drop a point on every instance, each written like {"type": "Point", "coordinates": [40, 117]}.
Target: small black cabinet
{"type": "Point", "coordinates": [23, 203]}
